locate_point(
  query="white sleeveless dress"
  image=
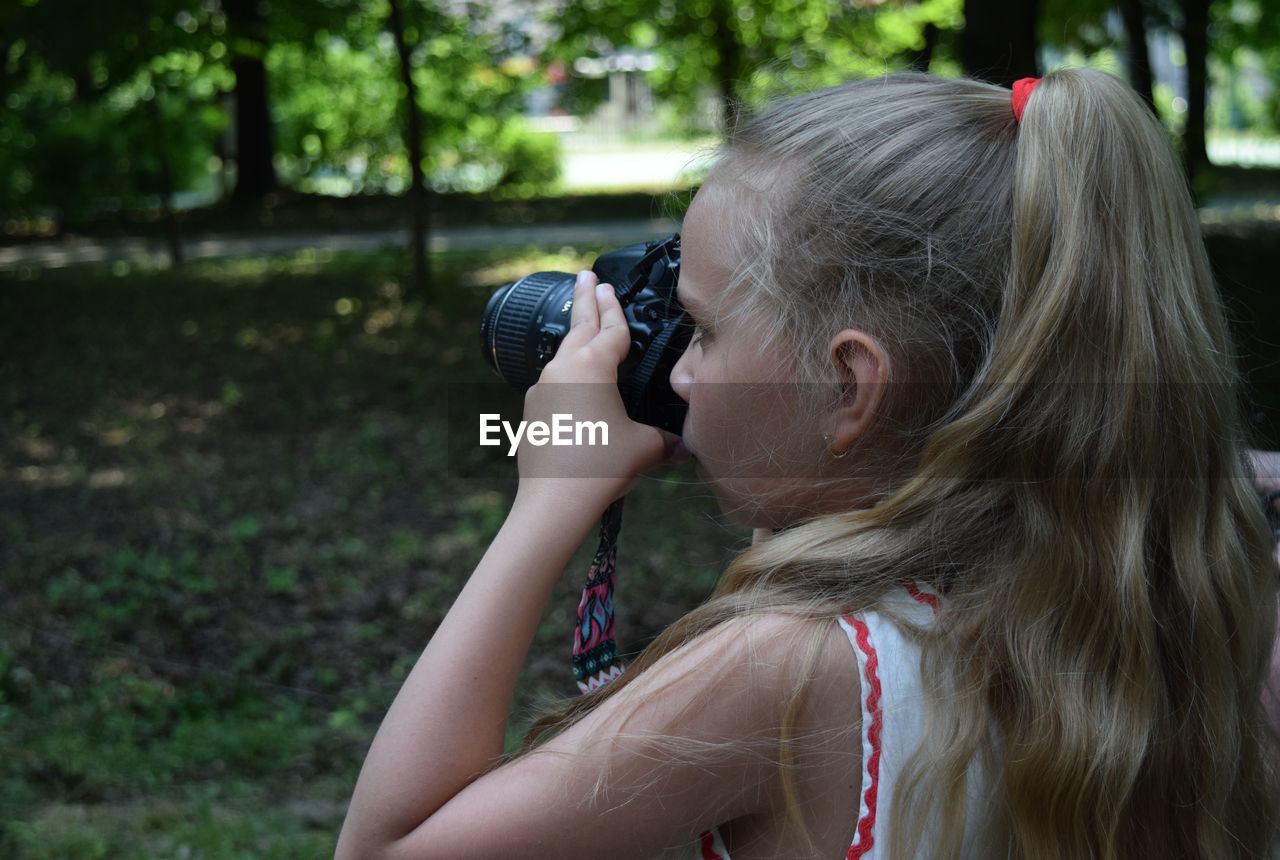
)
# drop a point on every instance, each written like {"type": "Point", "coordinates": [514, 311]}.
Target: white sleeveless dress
{"type": "Point", "coordinates": [893, 712]}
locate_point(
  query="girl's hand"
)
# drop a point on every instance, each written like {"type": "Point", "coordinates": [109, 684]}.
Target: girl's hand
{"type": "Point", "coordinates": [577, 400]}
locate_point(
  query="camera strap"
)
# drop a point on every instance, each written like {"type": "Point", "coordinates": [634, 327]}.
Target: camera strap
{"type": "Point", "coordinates": [595, 655]}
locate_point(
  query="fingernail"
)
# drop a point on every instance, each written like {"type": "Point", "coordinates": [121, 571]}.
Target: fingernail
{"type": "Point", "coordinates": [584, 276]}
{"type": "Point", "coordinates": [603, 291]}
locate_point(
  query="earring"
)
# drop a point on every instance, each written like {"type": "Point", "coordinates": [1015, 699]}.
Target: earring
{"type": "Point", "coordinates": [835, 455]}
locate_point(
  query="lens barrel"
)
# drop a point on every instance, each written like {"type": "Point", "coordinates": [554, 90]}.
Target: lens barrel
{"type": "Point", "coordinates": [525, 321]}
{"type": "Point", "coordinates": [523, 324]}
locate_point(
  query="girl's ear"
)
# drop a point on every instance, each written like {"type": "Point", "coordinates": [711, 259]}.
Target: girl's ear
{"type": "Point", "coordinates": [863, 369]}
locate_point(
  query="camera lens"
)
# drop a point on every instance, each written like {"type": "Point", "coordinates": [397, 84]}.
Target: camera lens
{"type": "Point", "coordinates": [523, 324]}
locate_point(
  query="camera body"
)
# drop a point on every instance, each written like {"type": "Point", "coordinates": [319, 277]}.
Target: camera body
{"type": "Point", "coordinates": [525, 321]}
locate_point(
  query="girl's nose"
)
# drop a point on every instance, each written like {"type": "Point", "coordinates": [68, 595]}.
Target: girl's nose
{"type": "Point", "coordinates": [682, 375]}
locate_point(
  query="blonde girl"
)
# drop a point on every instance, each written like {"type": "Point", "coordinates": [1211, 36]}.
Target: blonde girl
{"type": "Point", "coordinates": [961, 359]}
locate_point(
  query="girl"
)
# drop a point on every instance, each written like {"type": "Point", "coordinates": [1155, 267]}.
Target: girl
{"type": "Point", "coordinates": [961, 357]}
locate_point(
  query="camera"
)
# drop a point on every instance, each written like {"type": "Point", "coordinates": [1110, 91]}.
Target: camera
{"type": "Point", "coordinates": [525, 321]}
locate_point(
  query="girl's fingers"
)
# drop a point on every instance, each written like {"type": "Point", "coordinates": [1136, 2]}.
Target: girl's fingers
{"type": "Point", "coordinates": [611, 315]}
{"type": "Point", "coordinates": [596, 313]}
{"type": "Point", "coordinates": [584, 317]}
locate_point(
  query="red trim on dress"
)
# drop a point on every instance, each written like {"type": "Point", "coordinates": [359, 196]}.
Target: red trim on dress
{"type": "Point", "coordinates": [707, 843]}
{"type": "Point", "coordinates": [865, 839]}
{"type": "Point", "coordinates": [920, 596]}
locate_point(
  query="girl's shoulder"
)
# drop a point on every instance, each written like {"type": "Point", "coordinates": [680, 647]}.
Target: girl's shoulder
{"type": "Point", "coordinates": [693, 743]}
{"type": "Point", "coordinates": [754, 662]}
{"type": "Point", "coordinates": [792, 686]}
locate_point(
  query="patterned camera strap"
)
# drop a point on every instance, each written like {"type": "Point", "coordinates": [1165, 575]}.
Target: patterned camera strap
{"type": "Point", "coordinates": [595, 655]}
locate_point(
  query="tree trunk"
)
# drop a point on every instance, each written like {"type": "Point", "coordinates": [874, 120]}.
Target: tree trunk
{"type": "Point", "coordinates": [172, 231]}
{"type": "Point", "coordinates": [922, 58]}
{"type": "Point", "coordinates": [1195, 27]}
{"type": "Point", "coordinates": [999, 40]}
{"type": "Point", "coordinates": [1135, 28]}
{"type": "Point", "coordinates": [419, 216]}
{"type": "Point", "coordinates": [728, 63]}
{"type": "Point", "coordinates": [255, 170]}
{"type": "Point", "coordinates": [5, 47]}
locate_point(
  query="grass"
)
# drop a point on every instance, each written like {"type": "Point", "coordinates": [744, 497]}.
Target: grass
{"type": "Point", "coordinates": [230, 519]}
{"type": "Point", "coordinates": [231, 516]}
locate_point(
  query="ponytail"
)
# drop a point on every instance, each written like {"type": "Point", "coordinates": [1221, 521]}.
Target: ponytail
{"type": "Point", "coordinates": [1124, 661]}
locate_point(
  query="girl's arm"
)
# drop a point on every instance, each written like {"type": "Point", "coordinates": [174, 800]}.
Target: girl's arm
{"type": "Point", "coordinates": [428, 787]}
{"type": "Point", "coordinates": [689, 745]}
{"type": "Point", "coordinates": [447, 724]}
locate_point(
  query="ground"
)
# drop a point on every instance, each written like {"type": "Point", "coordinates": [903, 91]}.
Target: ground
{"type": "Point", "coordinates": [233, 507]}
{"type": "Point", "coordinates": [230, 518]}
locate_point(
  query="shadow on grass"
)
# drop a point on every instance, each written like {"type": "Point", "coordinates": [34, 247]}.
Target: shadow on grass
{"type": "Point", "coordinates": [227, 528]}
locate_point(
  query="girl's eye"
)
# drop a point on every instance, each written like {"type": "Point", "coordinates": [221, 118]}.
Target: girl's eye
{"type": "Point", "coordinates": [699, 334]}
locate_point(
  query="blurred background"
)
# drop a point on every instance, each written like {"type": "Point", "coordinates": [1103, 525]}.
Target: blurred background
{"type": "Point", "coordinates": [244, 248]}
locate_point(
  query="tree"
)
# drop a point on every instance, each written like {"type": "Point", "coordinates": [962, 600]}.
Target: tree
{"type": "Point", "coordinates": [253, 27]}
{"type": "Point", "coordinates": [338, 103]}
{"type": "Point", "coordinates": [999, 42]}
{"type": "Point", "coordinates": [744, 47]}
{"type": "Point", "coordinates": [417, 195]}
{"type": "Point", "coordinates": [255, 170]}
{"type": "Point", "coordinates": [112, 107]}
{"type": "Point", "coordinates": [1195, 35]}
{"type": "Point", "coordinates": [92, 97]}
{"type": "Point", "coordinates": [1246, 41]}
{"type": "Point", "coordinates": [727, 51]}
{"type": "Point", "coordinates": [1134, 13]}
{"type": "Point", "coordinates": [1089, 26]}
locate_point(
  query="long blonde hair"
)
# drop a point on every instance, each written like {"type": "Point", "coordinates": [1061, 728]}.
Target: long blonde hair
{"type": "Point", "coordinates": [1068, 470]}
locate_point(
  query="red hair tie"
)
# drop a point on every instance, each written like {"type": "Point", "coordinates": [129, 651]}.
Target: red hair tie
{"type": "Point", "coordinates": [1021, 92]}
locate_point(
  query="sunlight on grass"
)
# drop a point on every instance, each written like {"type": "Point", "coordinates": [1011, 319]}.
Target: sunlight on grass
{"type": "Point", "coordinates": [566, 259]}
{"type": "Point", "coordinates": [309, 261]}
{"type": "Point", "coordinates": [228, 527]}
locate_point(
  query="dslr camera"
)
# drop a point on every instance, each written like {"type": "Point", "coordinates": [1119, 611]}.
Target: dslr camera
{"type": "Point", "coordinates": [525, 321]}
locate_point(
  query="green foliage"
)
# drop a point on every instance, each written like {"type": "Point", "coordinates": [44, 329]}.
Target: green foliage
{"type": "Point", "coordinates": [84, 157]}
{"type": "Point", "coordinates": [340, 113]}
{"type": "Point", "coordinates": [101, 101]}
{"type": "Point", "coordinates": [1244, 51]}
{"type": "Point", "coordinates": [471, 91]}
{"type": "Point", "coordinates": [337, 116]}
{"type": "Point", "coordinates": [749, 49]}
{"type": "Point", "coordinates": [1086, 26]}
{"type": "Point", "coordinates": [98, 102]}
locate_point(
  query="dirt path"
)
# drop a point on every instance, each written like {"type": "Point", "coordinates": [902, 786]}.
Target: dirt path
{"type": "Point", "coordinates": [153, 251]}
{"type": "Point", "coordinates": [77, 251]}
